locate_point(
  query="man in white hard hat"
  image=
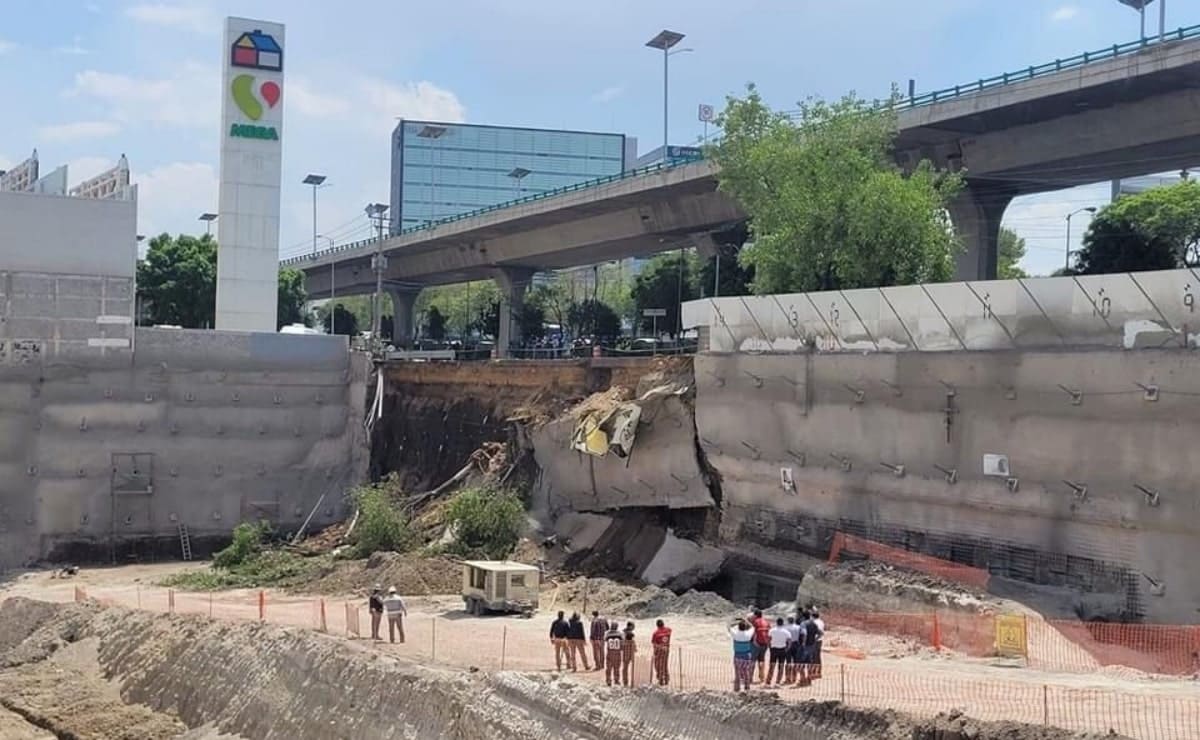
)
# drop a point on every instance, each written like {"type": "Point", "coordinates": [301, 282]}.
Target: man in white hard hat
{"type": "Point", "coordinates": [393, 606]}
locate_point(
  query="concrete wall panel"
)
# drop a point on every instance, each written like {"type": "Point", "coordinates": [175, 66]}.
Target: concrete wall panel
{"type": "Point", "coordinates": [1061, 417]}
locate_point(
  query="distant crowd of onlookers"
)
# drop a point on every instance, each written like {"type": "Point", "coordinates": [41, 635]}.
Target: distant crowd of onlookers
{"type": "Point", "coordinates": [787, 650]}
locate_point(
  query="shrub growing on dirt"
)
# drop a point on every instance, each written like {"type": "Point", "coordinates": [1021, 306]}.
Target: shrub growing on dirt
{"type": "Point", "coordinates": [487, 522]}
{"type": "Point", "coordinates": [247, 542]}
{"type": "Point", "coordinates": [381, 525]}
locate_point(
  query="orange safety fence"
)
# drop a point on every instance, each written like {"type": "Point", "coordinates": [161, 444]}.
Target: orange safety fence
{"type": "Point", "coordinates": [493, 646]}
{"type": "Point", "coordinates": [900, 558]}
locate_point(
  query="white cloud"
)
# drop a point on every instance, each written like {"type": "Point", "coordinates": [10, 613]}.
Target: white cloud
{"type": "Point", "coordinates": [78, 130]}
{"type": "Point", "coordinates": [7, 46]}
{"type": "Point", "coordinates": [171, 100]}
{"type": "Point", "coordinates": [301, 96]}
{"type": "Point", "coordinates": [609, 94]}
{"type": "Point", "coordinates": [85, 168]}
{"type": "Point", "coordinates": [1065, 13]}
{"type": "Point", "coordinates": [170, 197]}
{"type": "Point", "coordinates": [386, 101]}
{"type": "Point", "coordinates": [74, 49]}
{"type": "Point", "coordinates": [188, 17]}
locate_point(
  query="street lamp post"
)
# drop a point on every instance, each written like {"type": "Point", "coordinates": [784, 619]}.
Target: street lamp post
{"type": "Point", "coordinates": [375, 212]}
{"type": "Point", "coordinates": [1089, 209]}
{"type": "Point", "coordinates": [208, 218]}
{"type": "Point", "coordinates": [665, 40]}
{"type": "Point", "coordinates": [1140, 7]}
{"type": "Point", "coordinates": [332, 273]}
{"type": "Point", "coordinates": [518, 174]}
{"type": "Point", "coordinates": [435, 133]}
{"type": "Point", "coordinates": [315, 181]}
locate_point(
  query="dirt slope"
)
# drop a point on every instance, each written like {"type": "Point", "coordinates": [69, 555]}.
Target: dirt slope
{"type": "Point", "coordinates": [261, 681]}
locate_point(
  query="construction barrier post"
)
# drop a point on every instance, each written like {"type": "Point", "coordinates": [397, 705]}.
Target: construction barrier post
{"type": "Point", "coordinates": [937, 633]}
{"type": "Point", "coordinates": [679, 665]}
{"type": "Point", "coordinates": [210, 604]}
{"type": "Point", "coordinates": [170, 601]}
{"type": "Point", "coordinates": [503, 645]}
{"type": "Point", "coordinates": [1045, 705]}
{"type": "Point", "coordinates": [433, 642]}
{"type": "Point", "coordinates": [139, 596]}
{"type": "Point", "coordinates": [843, 672]}
{"type": "Point", "coordinates": [324, 625]}
{"type": "Point", "coordinates": [262, 606]}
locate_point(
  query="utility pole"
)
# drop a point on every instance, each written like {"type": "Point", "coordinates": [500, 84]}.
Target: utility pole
{"type": "Point", "coordinates": [375, 211]}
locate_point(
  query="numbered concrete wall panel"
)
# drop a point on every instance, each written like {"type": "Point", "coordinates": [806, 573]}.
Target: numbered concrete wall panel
{"type": "Point", "coordinates": [206, 429]}
{"type": "Point", "coordinates": [1130, 311]}
{"type": "Point", "coordinates": [1089, 486]}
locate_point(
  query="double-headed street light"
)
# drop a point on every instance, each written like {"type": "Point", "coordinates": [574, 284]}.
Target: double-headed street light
{"type": "Point", "coordinates": [208, 218]}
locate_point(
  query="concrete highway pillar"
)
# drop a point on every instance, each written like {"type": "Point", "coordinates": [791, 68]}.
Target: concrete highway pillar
{"type": "Point", "coordinates": [403, 300]}
{"type": "Point", "coordinates": [513, 282]}
{"type": "Point", "coordinates": [976, 214]}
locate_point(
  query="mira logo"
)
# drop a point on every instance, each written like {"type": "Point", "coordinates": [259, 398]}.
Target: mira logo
{"type": "Point", "coordinates": [255, 50]}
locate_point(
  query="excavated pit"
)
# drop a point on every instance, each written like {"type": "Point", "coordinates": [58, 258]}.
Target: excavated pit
{"type": "Point", "coordinates": [84, 672]}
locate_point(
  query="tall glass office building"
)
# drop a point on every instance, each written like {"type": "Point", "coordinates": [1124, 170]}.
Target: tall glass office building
{"type": "Point", "coordinates": [444, 169]}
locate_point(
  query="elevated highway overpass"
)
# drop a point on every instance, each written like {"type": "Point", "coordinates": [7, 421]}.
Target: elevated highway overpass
{"type": "Point", "coordinates": [1118, 112]}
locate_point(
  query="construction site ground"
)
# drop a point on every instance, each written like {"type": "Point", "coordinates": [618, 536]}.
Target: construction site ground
{"type": "Point", "coordinates": [870, 671]}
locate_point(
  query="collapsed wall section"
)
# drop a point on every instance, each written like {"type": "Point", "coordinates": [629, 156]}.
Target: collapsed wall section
{"type": "Point", "coordinates": [1096, 499]}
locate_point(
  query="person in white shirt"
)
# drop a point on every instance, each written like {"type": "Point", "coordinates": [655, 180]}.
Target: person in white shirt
{"type": "Point", "coordinates": [781, 640]}
{"type": "Point", "coordinates": [393, 607]}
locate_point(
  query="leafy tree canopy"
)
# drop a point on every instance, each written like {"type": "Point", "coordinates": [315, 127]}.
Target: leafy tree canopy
{"type": "Point", "coordinates": [1011, 252]}
{"type": "Point", "coordinates": [1155, 230]}
{"type": "Point", "coordinates": [177, 283]}
{"type": "Point", "coordinates": [828, 207]}
{"type": "Point", "coordinates": [664, 279]}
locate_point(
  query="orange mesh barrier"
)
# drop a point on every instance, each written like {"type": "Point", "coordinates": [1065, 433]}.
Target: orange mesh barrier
{"type": "Point", "coordinates": [927, 564]}
{"type": "Point", "coordinates": [1166, 712]}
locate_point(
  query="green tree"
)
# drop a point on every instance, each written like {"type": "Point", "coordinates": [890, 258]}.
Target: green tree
{"type": "Point", "coordinates": [829, 208]}
{"type": "Point", "coordinates": [346, 321]}
{"type": "Point", "coordinates": [1011, 252]}
{"type": "Point", "coordinates": [291, 297]}
{"type": "Point", "coordinates": [177, 281]}
{"type": "Point", "coordinates": [464, 306]}
{"type": "Point", "coordinates": [532, 320]}
{"type": "Point", "coordinates": [594, 318]}
{"type": "Point", "coordinates": [487, 522]}
{"type": "Point", "coordinates": [664, 279]}
{"type": "Point", "coordinates": [435, 324]}
{"type": "Point", "coordinates": [1155, 230]}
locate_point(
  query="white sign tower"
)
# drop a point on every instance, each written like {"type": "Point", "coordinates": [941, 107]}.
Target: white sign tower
{"type": "Point", "coordinates": [251, 136]}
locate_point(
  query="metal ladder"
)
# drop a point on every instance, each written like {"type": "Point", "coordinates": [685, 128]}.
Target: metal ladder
{"type": "Point", "coordinates": [185, 542]}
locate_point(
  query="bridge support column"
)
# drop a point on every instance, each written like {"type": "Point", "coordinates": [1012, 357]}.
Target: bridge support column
{"type": "Point", "coordinates": [403, 300]}
{"type": "Point", "coordinates": [976, 214]}
{"type": "Point", "coordinates": [513, 282]}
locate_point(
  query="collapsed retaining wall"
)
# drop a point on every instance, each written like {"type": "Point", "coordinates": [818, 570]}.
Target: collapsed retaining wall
{"type": "Point", "coordinates": [1098, 497]}
{"type": "Point", "coordinates": [105, 458]}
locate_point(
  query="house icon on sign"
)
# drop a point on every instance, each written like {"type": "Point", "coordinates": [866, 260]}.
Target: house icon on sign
{"type": "Point", "coordinates": [257, 50]}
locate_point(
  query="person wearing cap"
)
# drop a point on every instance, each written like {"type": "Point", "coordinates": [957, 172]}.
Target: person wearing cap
{"type": "Point", "coordinates": [660, 643]}
{"type": "Point", "coordinates": [375, 606]}
{"type": "Point", "coordinates": [394, 606]}
{"type": "Point", "coordinates": [743, 654]}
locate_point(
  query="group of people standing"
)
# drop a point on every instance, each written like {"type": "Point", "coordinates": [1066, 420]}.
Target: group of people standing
{"type": "Point", "coordinates": [613, 648]}
{"type": "Point", "coordinates": [791, 648]}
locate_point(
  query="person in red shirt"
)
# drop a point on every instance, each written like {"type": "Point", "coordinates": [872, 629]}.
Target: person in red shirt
{"type": "Point", "coordinates": [762, 641]}
{"type": "Point", "coordinates": [661, 644]}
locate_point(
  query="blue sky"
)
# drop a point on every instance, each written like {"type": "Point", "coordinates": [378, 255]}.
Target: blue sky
{"type": "Point", "coordinates": [87, 80]}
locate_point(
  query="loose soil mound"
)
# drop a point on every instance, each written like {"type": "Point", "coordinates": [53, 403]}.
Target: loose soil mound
{"type": "Point", "coordinates": [615, 599]}
{"type": "Point", "coordinates": [411, 574]}
{"type": "Point", "coordinates": [877, 587]}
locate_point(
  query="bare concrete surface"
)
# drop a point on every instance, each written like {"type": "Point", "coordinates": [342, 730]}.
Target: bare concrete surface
{"type": "Point", "coordinates": [136, 675]}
